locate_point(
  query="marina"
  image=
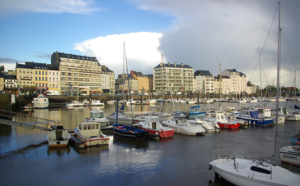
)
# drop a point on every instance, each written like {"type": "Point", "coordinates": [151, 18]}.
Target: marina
{"type": "Point", "coordinates": [178, 160]}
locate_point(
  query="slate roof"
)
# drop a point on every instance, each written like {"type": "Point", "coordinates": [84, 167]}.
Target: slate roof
{"type": "Point", "coordinates": [174, 65]}
{"type": "Point", "coordinates": [73, 56]}
{"type": "Point", "coordinates": [202, 73]}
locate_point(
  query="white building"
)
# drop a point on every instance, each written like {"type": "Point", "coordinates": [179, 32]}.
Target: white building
{"type": "Point", "coordinates": [237, 84]}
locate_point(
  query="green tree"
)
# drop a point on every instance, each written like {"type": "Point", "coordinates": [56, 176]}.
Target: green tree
{"type": "Point", "coordinates": [2, 68]}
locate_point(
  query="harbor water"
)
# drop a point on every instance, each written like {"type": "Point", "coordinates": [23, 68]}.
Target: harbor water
{"type": "Point", "coordinates": [25, 158]}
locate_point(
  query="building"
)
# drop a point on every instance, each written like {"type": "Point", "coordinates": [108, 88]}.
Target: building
{"type": "Point", "coordinates": [173, 77]}
{"type": "Point", "coordinates": [10, 83]}
{"type": "Point", "coordinates": [79, 74]}
{"type": "Point", "coordinates": [204, 82]}
{"type": "Point", "coordinates": [1, 82]}
{"type": "Point", "coordinates": [238, 81]}
{"type": "Point", "coordinates": [126, 80]}
{"type": "Point", "coordinates": [107, 80]}
{"type": "Point", "coordinates": [25, 75]}
{"type": "Point", "coordinates": [53, 81]}
{"type": "Point", "coordinates": [144, 81]}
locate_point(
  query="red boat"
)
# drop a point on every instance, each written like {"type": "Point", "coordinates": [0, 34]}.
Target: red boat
{"type": "Point", "coordinates": [224, 122]}
{"type": "Point", "coordinates": [155, 128]}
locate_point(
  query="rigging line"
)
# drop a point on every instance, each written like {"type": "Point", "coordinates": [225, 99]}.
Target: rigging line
{"type": "Point", "coordinates": [265, 40]}
{"type": "Point", "coordinates": [289, 50]}
{"type": "Point", "coordinates": [128, 80]}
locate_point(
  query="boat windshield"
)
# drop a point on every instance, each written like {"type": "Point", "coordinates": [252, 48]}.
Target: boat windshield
{"type": "Point", "coordinates": [97, 115]}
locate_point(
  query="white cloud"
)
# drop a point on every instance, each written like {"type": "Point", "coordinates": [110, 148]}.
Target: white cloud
{"type": "Point", "coordinates": [46, 6]}
{"type": "Point", "coordinates": [141, 51]}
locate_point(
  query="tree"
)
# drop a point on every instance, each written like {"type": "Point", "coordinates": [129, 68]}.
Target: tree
{"type": "Point", "coordinates": [2, 68]}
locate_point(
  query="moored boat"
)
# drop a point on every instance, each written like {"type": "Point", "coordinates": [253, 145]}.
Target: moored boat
{"type": "Point", "coordinates": [99, 117]}
{"type": "Point", "coordinates": [155, 128]}
{"type": "Point", "coordinates": [223, 121]}
{"type": "Point", "coordinates": [185, 126]}
{"type": "Point", "coordinates": [75, 104]}
{"type": "Point", "coordinates": [40, 102]}
{"type": "Point", "coordinates": [129, 132]}
{"type": "Point", "coordinates": [58, 137]}
{"type": "Point", "coordinates": [290, 154]}
{"type": "Point", "coordinates": [90, 134]}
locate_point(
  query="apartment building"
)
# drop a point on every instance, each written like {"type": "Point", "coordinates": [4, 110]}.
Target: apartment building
{"type": "Point", "coordinates": [107, 80]}
{"type": "Point", "coordinates": [53, 80]}
{"type": "Point", "coordinates": [204, 82]}
{"type": "Point", "coordinates": [173, 77]}
{"type": "Point", "coordinates": [144, 81]}
{"type": "Point", "coordinates": [79, 74]}
{"type": "Point", "coordinates": [238, 81]}
{"type": "Point", "coordinates": [1, 82]}
{"type": "Point", "coordinates": [25, 75]}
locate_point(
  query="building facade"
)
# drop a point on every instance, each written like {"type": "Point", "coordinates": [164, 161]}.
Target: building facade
{"type": "Point", "coordinates": [79, 74]}
{"type": "Point", "coordinates": [238, 81]}
{"type": "Point", "coordinates": [173, 78]}
{"type": "Point", "coordinates": [205, 82]}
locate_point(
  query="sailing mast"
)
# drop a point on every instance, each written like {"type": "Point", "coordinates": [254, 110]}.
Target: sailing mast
{"type": "Point", "coordinates": [278, 70]}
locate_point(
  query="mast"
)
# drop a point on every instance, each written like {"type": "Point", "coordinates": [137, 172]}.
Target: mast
{"type": "Point", "coordinates": [278, 70]}
{"type": "Point", "coordinates": [162, 83]}
{"type": "Point", "coordinates": [123, 70]}
{"type": "Point", "coordinates": [220, 87]}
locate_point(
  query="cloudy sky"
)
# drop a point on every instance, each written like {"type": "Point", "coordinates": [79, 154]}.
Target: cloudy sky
{"type": "Point", "coordinates": [200, 33]}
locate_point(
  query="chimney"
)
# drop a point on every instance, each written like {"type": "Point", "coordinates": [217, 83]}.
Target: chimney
{"type": "Point", "coordinates": [162, 61]}
{"type": "Point", "coordinates": [181, 64]}
{"type": "Point", "coordinates": [175, 64]}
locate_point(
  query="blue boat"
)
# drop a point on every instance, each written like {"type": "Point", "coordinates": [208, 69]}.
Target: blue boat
{"type": "Point", "coordinates": [254, 117]}
{"type": "Point", "coordinates": [295, 139]}
{"type": "Point", "coordinates": [195, 112]}
{"type": "Point", "coordinates": [129, 132]}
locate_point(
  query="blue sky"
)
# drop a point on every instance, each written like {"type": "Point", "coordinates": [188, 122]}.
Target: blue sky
{"type": "Point", "coordinates": [202, 34]}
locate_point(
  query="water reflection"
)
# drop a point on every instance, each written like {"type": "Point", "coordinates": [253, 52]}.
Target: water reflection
{"type": "Point", "coordinates": [91, 150]}
{"type": "Point", "coordinates": [128, 143]}
{"type": "Point", "coordinates": [58, 151]}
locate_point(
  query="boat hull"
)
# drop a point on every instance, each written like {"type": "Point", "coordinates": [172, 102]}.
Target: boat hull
{"type": "Point", "coordinates": [290, 154]}
{"type": "Point", "coordinates": [93, 141]}
{"type": "Point", "coordinates": [129, 132]}
{"type": "Point", "coordinates": [229, 125]}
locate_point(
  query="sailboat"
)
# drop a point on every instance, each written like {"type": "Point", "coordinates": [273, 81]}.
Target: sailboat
{"type": "Point", "coordinates": [243, 171]}
{"type": "Point", "coordinates": [119, 115]}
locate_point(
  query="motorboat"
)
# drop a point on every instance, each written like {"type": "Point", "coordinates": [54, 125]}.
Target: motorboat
{"type": "Point", "coordinates": [90, 134]}
{"type": "Point", "coordinates": [289, 116]}
{"type": "Point", "coordinates": [223, 121]}
{"type": "Point", "coordinates": [59, 137]}
{"type": "Point", "coordinates": [290, 154]}
{"type": "Point", "coordinates": [40, 102]}
{"type": "Point", "coordinates": [129, 132]}
{"type": "Point", "coordinates": [155, 128]}
{"type": "Point", "coordinates": [99, 117]}
{"type": "Point", "coordinates": [195, 112]}
{"type": "Point", "coordinates": [123, 119]}
{"type": "Point", "coordinates": [96, 103]}
{"type": "Point", "coordinates": [75, 103]}
{"type": "Point", "coordinates": [256, 116]}
{"type": "Point", "coordinates": [209, 126]}
{"type": "Point", "coordinates": [185, 126]}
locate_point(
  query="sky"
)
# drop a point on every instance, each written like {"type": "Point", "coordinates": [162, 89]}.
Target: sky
{"type": "Point", "coordinates": [208, 35]}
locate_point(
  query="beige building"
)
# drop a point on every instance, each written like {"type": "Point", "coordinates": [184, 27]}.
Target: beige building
{"type": "Point", "coordinates": [204, 82]}
{"type": "Point", "coordinates": [25, 75]}
{"type": "Point", "coordinates": [108, 80]}
{"type": "Point", "coordinates": [237, 84]}
{"type": "Point", "coordinates": [79, 74]}
{"type": "Point", "coordinates": [144, 82]}
{"type": "Point", "coordinates": [173, 77]}
{"type": "Point", "coordinates": [53, 81]}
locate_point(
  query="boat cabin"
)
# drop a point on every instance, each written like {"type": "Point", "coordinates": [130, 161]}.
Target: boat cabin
{"type": "Point", "coordinates": [89, 129]}
{"type": "Point", "coordinates": [152, 122]}
{"type": "Point", "coordinates": [97, 114]}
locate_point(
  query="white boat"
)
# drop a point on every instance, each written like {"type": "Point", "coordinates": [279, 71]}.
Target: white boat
{"type": "Point", "coordinates": [96, 103]}
{"type": "Point", "coordinates": [184, 126]}
{"type": "Point", "coordinates": [290, 154]}
{"type": "Point", "coordinates": [244, 171]}
{"type": "Point", "coordinates": [289, 116]}
{"type": "Point", "coordinates": [90, 134]}
{"type": "Point", "coordinates": [98, 117]}
{"type": "Point", "coordinates": [240, 171]}
{"type": "Point", "coordinates": [40, 102]}
{"type": "Point", "coordinates": [207, 125]}
{"type": "Point", "coordinates": [58, 137]}
{"type": "Point", "coordinates": [75, 104]}
{"type": "Point", "coordinates": [123, 119]}
{"type": "Point", "coordinates": [111, 102]}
